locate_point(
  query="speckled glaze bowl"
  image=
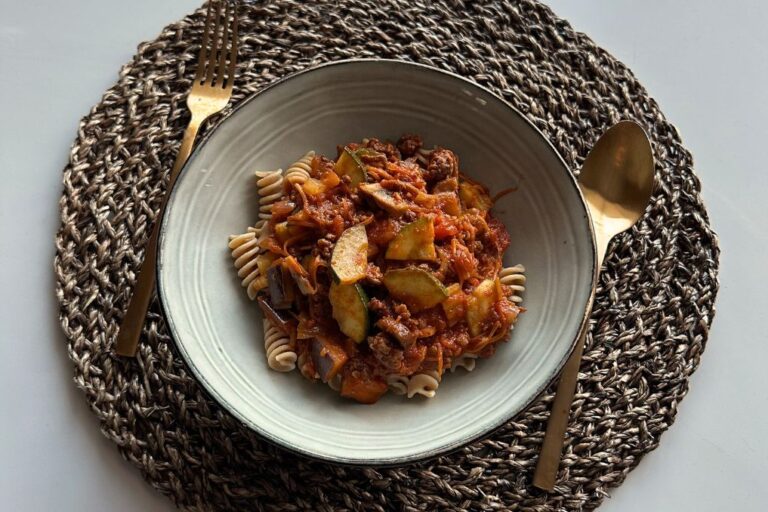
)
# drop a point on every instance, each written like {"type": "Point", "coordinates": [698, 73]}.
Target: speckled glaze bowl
{"type": "Point", "coordinates": [218, 330]}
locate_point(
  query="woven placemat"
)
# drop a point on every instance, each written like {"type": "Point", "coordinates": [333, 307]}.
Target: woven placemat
{"type": "Point", "coordinates": [650, 321]}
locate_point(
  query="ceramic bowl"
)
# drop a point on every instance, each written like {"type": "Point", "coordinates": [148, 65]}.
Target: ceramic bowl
{"type": "Point", "coordinates": [218, 331]}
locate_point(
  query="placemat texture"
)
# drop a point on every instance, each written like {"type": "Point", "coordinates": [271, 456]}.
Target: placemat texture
{"type": "Point", "coordinates": [649, 325]}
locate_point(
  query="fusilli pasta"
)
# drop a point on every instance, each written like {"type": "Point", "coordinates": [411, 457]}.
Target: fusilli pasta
{"type": "Point", "coordinates": [298, 172]}
{"type": "Point", "coordinates": [281, 355]}
{"type": "Point", "coordinates": [305, 368]}
{"type": "Point", "coordinates": [270, 187]}
{"type": "Point", "coordinates": [424, 384]}
{"type": "Point", "coordinates": [514, 278]}
{"type": "Point", "coordinates": [398, 384]}
{"type": "Point", "coordinates": [245, 249]}
{"type": "Point", "coordinates": [466, 361]}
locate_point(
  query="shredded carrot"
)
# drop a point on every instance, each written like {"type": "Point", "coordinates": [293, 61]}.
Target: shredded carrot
{"type": "Point", "coordinates": [502, 193]}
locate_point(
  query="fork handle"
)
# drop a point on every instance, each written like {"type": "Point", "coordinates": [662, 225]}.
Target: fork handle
{"type": "Point", "coordinates": [133, 320]}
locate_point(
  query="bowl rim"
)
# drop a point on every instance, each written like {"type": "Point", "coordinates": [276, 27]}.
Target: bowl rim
{"type": "Point", "coordinates": [210, 390]}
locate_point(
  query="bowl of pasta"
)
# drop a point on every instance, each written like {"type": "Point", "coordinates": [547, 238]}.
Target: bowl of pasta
{"type": "Point", "coordinates": [375, 262]}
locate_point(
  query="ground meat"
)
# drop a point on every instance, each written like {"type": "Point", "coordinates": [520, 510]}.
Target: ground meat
{"type": "Point", "coordinates": [409, 144]}
{"type": "Point", "coordinates": [454, 340]}
{"type": "Point", "coordinates": [320, 166]}
{"type": "Point", "coordinates": [389, 150]}
{"type": "Point", "coordinates": [324, 248]}
{"type": "Point", "coordinates": [382, 230]}
{"type": "Point", "coordinates": [443, 163]}
{"type": "Point", "coordinates": [397, 329]}
{"type": "Point", "coordinates": [498, 235]}
{"type": "Point", "coordinates": [396, 320]}
{"type": "Point", "coordinates": [386, 352]}
{"type": "Point", "coordinates": [374, 159]}
{"type": "Point", "coordinates": [373, 275]}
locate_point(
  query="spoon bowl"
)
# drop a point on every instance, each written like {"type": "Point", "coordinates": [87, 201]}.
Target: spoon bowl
{"type": "Point", "coordinates": [617, 181]}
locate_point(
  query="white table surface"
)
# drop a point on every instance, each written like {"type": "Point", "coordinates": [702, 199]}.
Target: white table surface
{"type": "Point", "coordinates": [703, 62]}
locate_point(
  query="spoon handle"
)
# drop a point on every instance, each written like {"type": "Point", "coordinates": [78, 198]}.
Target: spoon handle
{"type": "Point", "coordinates": [551, 450]}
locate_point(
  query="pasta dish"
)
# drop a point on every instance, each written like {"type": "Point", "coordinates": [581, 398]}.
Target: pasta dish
{"type": "Point", "coordinates": [378, 270]}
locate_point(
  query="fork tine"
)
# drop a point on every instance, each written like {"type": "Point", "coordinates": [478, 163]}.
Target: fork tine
{"type": "Point", "coordinates": [233, 51]}
{"type": "Point", "coordinates": [215, 48]}
{"type": "Point", "coordinates": [201, 59]}
{"type": "Point", "coordinates": [224, 45]}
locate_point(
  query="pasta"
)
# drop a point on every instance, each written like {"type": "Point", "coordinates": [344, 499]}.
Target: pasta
{"type": "Point", "coordinates": [514, 277]}
{"type": "Point", "coordinates": [306, 370]}
{"type": "Point", "coordinates": [281, 356]}
{"type": "Point", "coordinates": [245, 249]}
{"type": "Point", "coordinates": [270, 187]}
{"type": "Point", "coordinates": [424, 384]}
{"type": "Point", "coordinates": [466, 361]}
{"type": "Point", "coordinates": [378, 270]}
{"type": "Point", "coordinates": [398, 384]}
{"type": "Point", "coordinates": [298, 172]}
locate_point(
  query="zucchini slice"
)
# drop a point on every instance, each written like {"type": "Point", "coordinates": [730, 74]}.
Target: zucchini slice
{"type": "Point", "coordinates": [416, 287]}
{"type": "Point", "coordinates": [384, 198]}
{"type": "Point", "coordinates": [349, 164]}
{"type": "Point", "coordinates": [455, 306]}
{"type": "Point", "coordinates": [474, 195]}
{"type": "Point", "coordinates": [414, 241]}
{"type": "Point", "coordinates": [350, 310]}
{"type": "Point", "coordinates": [349, 260]}
{"type": "Point", "coordinates": [480, 304]}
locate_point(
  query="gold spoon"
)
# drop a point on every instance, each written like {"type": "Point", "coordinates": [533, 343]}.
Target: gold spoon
{"type": "Point", "coordinates": [616, 181]}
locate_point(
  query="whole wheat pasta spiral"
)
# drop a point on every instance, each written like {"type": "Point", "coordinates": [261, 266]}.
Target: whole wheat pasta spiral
{"type": "Point", "coordinates": [466, 361]}
{"type": "Point", "coordinates": [398, 384]}
{"type": "Point", "coordinates": [514, 278]}
{"type": "Point", "coordinates": [245, 248]}
{"type": "Point", "coordinates": [298, 172]}
{"type": "Point", "coordinates": [424, 384]}
{"type": "Point", "coordinates": [281, 355]}
{"type": "Point", "coordinates": [270, 187]}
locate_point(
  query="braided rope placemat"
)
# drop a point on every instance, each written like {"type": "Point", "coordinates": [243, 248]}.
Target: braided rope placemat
{"type": "Point", "coordinates": [651, 317]}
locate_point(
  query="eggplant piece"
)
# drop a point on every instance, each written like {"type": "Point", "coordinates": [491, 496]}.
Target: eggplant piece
{"type": "Point", "coordinates": [349, 164]}
{"type": "Point", "coordinates": [349, 260]}
{"type": "Point", "coordinates": [480, 304]}
{"type": "Point", "coordinates": [384, 198]}
{"type": "Point", "coordinates": [284, 322]}
{"type": "Point", "coordinates": [414, 241]}
{"type": "Point", "coordinates": [280, 288]}
{"type": "Point", "coordinates": [350, 310]}
{"type": "Point", "coordinates": [328, 358]}
{"type": "Point", "coordinates": [415, 287]}
{"type": "Point", "coordinates": [299, 275]}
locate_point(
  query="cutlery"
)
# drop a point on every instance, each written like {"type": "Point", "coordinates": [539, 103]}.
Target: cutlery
{"type": "Point", "coordinates": [210, 93]}
{"type": "Point", "coordinates": [616, 181]}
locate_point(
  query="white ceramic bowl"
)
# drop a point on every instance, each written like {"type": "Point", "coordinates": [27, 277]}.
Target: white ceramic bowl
{"type": "Point", "coordinates": [218, 330]}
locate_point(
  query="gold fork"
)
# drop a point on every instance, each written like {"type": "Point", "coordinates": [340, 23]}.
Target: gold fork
{"type": "Point", "coordinates": [210, 93]}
